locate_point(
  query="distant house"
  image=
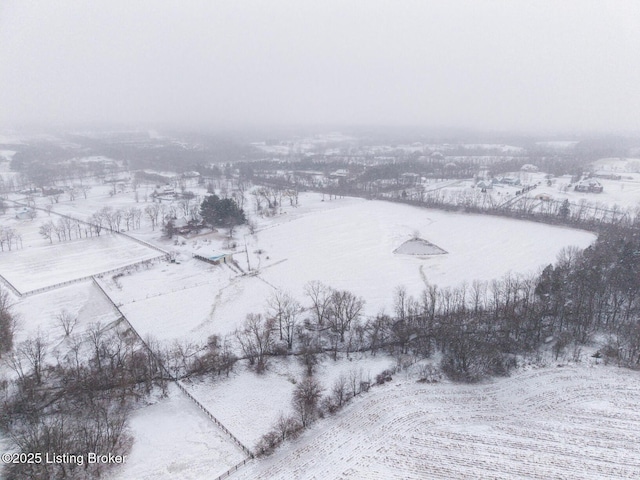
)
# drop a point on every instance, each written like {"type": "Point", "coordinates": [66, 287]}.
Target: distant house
{"type": "Point", "coordinates": [506, 180]}
{"type": "Point", "coordinates": [25, 213]}
{"type": "Point", "coordinates": [528, 167]}
{"type": "Point", "coordinates": [606, 175]}
{"type": "Point", "coordinates": [340, 173]}
{"type": "Point", "coordinates": [47, 191]}
{"type": "Point", "coordinates": [589, 185]}
{"type": "Point", "coordinates": [184, 227]}
{"type": "Point", "coordinates": [484, 185]}
{"type": "Point", "coordinates": [510, 181]}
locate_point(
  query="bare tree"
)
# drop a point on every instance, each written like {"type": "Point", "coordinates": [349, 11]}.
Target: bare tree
{"type": "Point", "coordinates": [97, 221]}
{"type": "Point", "coordinates": [345, 308]}
{"type": "Point", "coordinates": [285, 426]}
{"type": "Point", "coordinates": [339, 392]}
{"type": "Point", "coordinates": [152, 211]}
{"type": "Point", "coordinates": [256, 340]}
{"type": "Point", "coordinates": [306, 398]}
{"type": "Point", "coordinates": [47, 230]}
{"type": "Point", "coordinates": [320, 296]}
{"type": "Point", "coordinates": [286, 310]}
{"type": "Point", "coordinates": [8, 236]}
{"type": "Point", "coordinates": [34, 351]}
{"type": "Point", "coordinates": [67, 321]}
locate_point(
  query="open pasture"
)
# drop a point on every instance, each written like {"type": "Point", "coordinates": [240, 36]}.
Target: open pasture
{"type": "Point", "coordinates": [250, 404]}
{"type": "Point", "coordinates": [346, 243]}
{"type": "Point", "coordinates": [41, 264]}
{"type": "Point", "coordinates": [181, 301]}
{"type": "Point", "coordinates": [352, 248]}
{"type": "Point", "coordinates": [571, 423]}
{"type": "Point", "coordinates": [174, 439]}
{"type": "Point", "coordinates": [82, 300]}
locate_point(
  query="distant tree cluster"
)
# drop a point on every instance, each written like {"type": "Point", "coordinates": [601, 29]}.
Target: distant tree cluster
{"type": "Point", "coordinates": [187, 359]}
{"type": "Point", "coordinates": [331, 323]}
{"type": "Point", "coordinates": [68, 228]}
{"type": "Point", "coordinates": [9, 238]}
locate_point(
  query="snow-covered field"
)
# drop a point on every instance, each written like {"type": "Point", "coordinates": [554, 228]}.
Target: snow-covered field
{"type": "Point", "coordinates": [347, 243]}
{"type": "Point", "coordinates": [180, 301]}
{"type": "Point", "coordinates": [38, 313]}
{"type": "Point", "coordinates": [249, 404]}
{"type": "Point", "coordinates": [174, 439]}
{"type": "Point", "coordinates": [43, 264]}
{"type": "Point", "coordinates": [352, 247]}
{"type": "Point", "coordinates": [400, 430]}
{"type": "Point", "coordinates": [570, 423]}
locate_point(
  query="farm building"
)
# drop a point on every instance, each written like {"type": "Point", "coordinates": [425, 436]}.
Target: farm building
{"type": "Point", "coordinates": [409, 178]}
{"type": "Point", "coordinates": [220, 257]}
{"type": "Point", "coordinates": [589, 186]}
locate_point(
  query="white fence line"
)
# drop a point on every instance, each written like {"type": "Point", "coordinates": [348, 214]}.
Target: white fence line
{"type": "Point", "coordinates": [10, 285]}
{"type": "Point", "coordinates": [88, 277]}
{"type": "Point", "coordinates": [175, 380]}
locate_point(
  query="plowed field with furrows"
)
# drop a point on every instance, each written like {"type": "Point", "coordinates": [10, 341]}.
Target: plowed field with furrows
{"type": "Point", "coordinates": [570, 423]}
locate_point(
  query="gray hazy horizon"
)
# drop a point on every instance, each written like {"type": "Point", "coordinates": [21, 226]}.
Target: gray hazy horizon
{"type": "Point", "coordinates": [512, 66]}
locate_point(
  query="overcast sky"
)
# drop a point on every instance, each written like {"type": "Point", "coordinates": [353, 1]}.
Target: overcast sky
{"type": "Point", "coordinates": [507, 65]}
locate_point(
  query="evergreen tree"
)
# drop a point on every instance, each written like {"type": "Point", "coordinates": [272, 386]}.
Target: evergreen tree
{"type": "Point", "coordinates": [225, 212]}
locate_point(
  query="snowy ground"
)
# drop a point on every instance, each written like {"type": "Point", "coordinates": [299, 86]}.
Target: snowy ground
{"type": "Point", "coordinates": [347, 243]}
{"type": "Point", "coordinates": [249, 404]}
{"type": "Point", "coordinates": [351, 247]}
{"type": "Point", "coordinates": [43, 264]}
{"type": "Point", "coordinates": [570, 423]}
{"type": "Point", "coordinates": [174, 439]}
{"type": "Point", "coordinates": [178, 301]}
{"type": "Point", "coordinates": [38, 313]}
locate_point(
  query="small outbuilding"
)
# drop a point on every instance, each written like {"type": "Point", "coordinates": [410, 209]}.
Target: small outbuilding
{"type": "Point", "coordinates": [220, 257]}
{"type": "Point", "coordinates": [25, 213]}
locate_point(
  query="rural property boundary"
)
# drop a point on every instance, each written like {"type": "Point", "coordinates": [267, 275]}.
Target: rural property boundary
{"type": "Point", "coordinates": [164, 254]}
{"type": "Point", "coordinates": [217, 422]}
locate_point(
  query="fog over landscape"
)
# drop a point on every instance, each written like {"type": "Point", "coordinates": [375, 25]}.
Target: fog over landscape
{"type": "Point", "coordinates": [493, 65]}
